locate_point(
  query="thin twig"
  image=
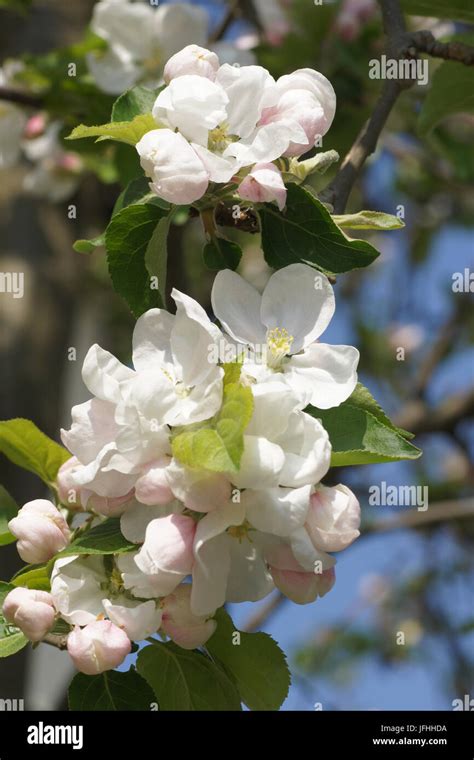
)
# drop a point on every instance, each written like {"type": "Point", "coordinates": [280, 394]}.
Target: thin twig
{"type": "Point", "coordinates": [230, 15]}
{"type": "Point", "coordinates": [20, 97]}
{"type": "Point", "coordinates": [424, 42]}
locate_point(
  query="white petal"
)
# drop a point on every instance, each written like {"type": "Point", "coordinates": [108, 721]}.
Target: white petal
{"type": "Point", "coordinates": [245, 87]}
{"type": "Point", "coordinates": [151, 338]}
{"type": "Point", "coordinates": [306, 554]}
{"type": "Point", "coordinates": [93, 426]}
{"type": "Point", "coordinates": [277, 510]}
{"type": "Point", "coordinates": [137, 517]}
{"type": "Point", "coordinates": [192, 341]}
{"type": "Point", "coordinates": [311, 459]}
{"type": "Point", "coordinates": [113, 70]}
{"type": "Point", "coordinates": [301, 300]}
{"type": "Point", "coordinates": [249, 579]}
{"type": "Point", "coordinates": [260, 464]}
{"type": "Point", "coordinates": [220, 169]}
{"type": "Point", "coordinates": [138, 620]}
{"type": "Point", "coordinates": [329, 371]}
{"type": "Point", "coordinates": [104, 375]}
{"type": "Point", "coordinates": [236, 305]}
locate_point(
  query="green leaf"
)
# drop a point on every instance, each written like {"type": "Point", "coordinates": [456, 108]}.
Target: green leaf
{"type": "Point", "coordinates": [254, 660]}
{"type": "Point", "coordinates": [33, 576]}
{"type": "Point", "coordinates": [186, 680]}
{"type": "Point", "coordinates": [219, 446]}
{"type": "Point", "coordinates": [138, 100]}
{"type": "Point", "coordinates": [136, 192]}
{"type": "Point", "coordinates": [368, 220]}
{"type": "Point", "coordinates": [129, 132]}
{"type": "Point", "coordinates": [25, 445]}
{"type": "Point", "coordinates": [127, 238]}
{"type": "Point", "coordinates": [451, 91]}
{"type": "Point", "coordinates": [461, 10]}
{"type": "Point", "coordinates": [220, 253]}
{"type": "Point", "coordinates": [89, 246]}
{"type": "Point", "coordinates": [105, 538]}
{"type": "Point", "coordinates": [8, 510]}
{"type": "Point", "coordinates": [319, 163]}
{"type": "Point", "coordinates": [306, 233]}
{"type": "Point", "coordinates": [361, 433]}
{"type": "Point", "coordinates": [156, 255]}
{"type": "Point", "coordinates": [362, 398]}
{"type": "Point", "coordinates": [11, 638]}
{"type": "Point", "coordinates": [113, 690]}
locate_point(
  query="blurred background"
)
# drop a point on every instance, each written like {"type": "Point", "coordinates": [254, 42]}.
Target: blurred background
{"type": "Point", "coordinates": [397, 630]}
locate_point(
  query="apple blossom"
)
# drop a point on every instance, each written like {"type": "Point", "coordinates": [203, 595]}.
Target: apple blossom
{"type": "Point", "coordinates": [166, 556]}
{"type": "Point", "coordinates": [98, 647]}
{"type": "Point", "coordinates": [333, 518]}
{"type": "Point", "coordinates": [264, 183]}
{"type": "Point", "coordinates": [31, 611]}
{"type": "Point", "coordinates": [187, 630]}
{"type": "Point", "coordinates": [41, 531]}
{"type": "Point", "coordinates": [296, 306]}
{"type": "Point", "coordinates": [152, 487]}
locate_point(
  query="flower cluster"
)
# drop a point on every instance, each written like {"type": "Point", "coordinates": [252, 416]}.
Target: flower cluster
{"type": "Point", "coordinates": [222, 123]}
{"type": "Point", "coordinates": [237, 508]}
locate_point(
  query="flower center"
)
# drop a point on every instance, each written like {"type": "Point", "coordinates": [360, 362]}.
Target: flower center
{"type": "Point", "coordinates": [219, 138]}
{"type": "Point", "coordinates": [279, 343]}
{"type": "Point", "coordinates": [240, 531]}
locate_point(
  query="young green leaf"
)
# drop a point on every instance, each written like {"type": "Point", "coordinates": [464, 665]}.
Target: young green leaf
{"type": "Point", "coordinates": [8, 509]}
{"type": "Point", "coordinates": [461, 10]}
{"type": "Point", "coordinates": [368, 220]}
{"type": "Point", "coordinates": [89, 246]}
{"type": "Point", "coordinates": [105, 538]}
{"type": "Point", "coordinates": [305, 232]}
{"type": "Point", "coordinates": [186, 680]}
{"type": "Point", "coordinates": [25, 445]}
{"type": "Point", "coordinates": [255, 661]}
{"type": "Point", "coordinates": [33, 576]}
{"type": "Point", "coordinates": [129, 132]}
{"type": "Point", "coordinates": [138, 100]}
{"type": "Point", "coordinates": [218, 446]}
{"type": "Point", "coordinates": [113, 690]}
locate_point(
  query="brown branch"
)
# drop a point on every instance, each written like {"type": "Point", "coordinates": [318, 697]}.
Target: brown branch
{"type": "Point", "coordinates": [399, 45]}
{"type": "Point", "coordinates": [230, 15]}
{"type": "Point", "coordinates": [418, 417]}
{"type": "Point", "coordinates": [438, 512]}
{"type": "Point", "coordinates": [259, 618]}
{"type": "Point", "coordinates": [20, 97]}
{"type": "Point", "coordinates": [424, 42]}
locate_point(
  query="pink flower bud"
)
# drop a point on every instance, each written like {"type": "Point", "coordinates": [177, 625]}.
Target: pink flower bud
{"type": "Point", "coordinates": [264, 184]}
{"type": "Point", "coordinates": [77, 497]}
{"type": "Point", "coordinates": [192, 60]}
{"type": "Point", "coordinates": [167, 554]}
{"type": "Point", "coordinates": [152, 487]}
{"type": "Point", "coordinates": [30, 610]}
{"type": "Point", "coordinates": [299, 585]}
{"type": "Point", "coordinates": [35, 126]}
{"type": "Point", "coordinates": [333, 519]}
{"type": "Point", "coordinates": [180, 624]}
{"type": "Point", "coordinates": [41, 529]}
{"type": "Point", "coordinates": [97, 647]}
{"type": "Point", "coordinates": [110, 506]}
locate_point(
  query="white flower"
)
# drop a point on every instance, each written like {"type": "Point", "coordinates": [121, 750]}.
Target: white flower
{"type": "Point", "coordinates": [83, 591]}
{"type": "Point", "coordinates": [305, 99]}
{"type": "Point", "coordinates": [177, 173]}
{"type": "Point", "coordinates": [140, 40]}
{"type": "Point", "coordinates": [282, 325]}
